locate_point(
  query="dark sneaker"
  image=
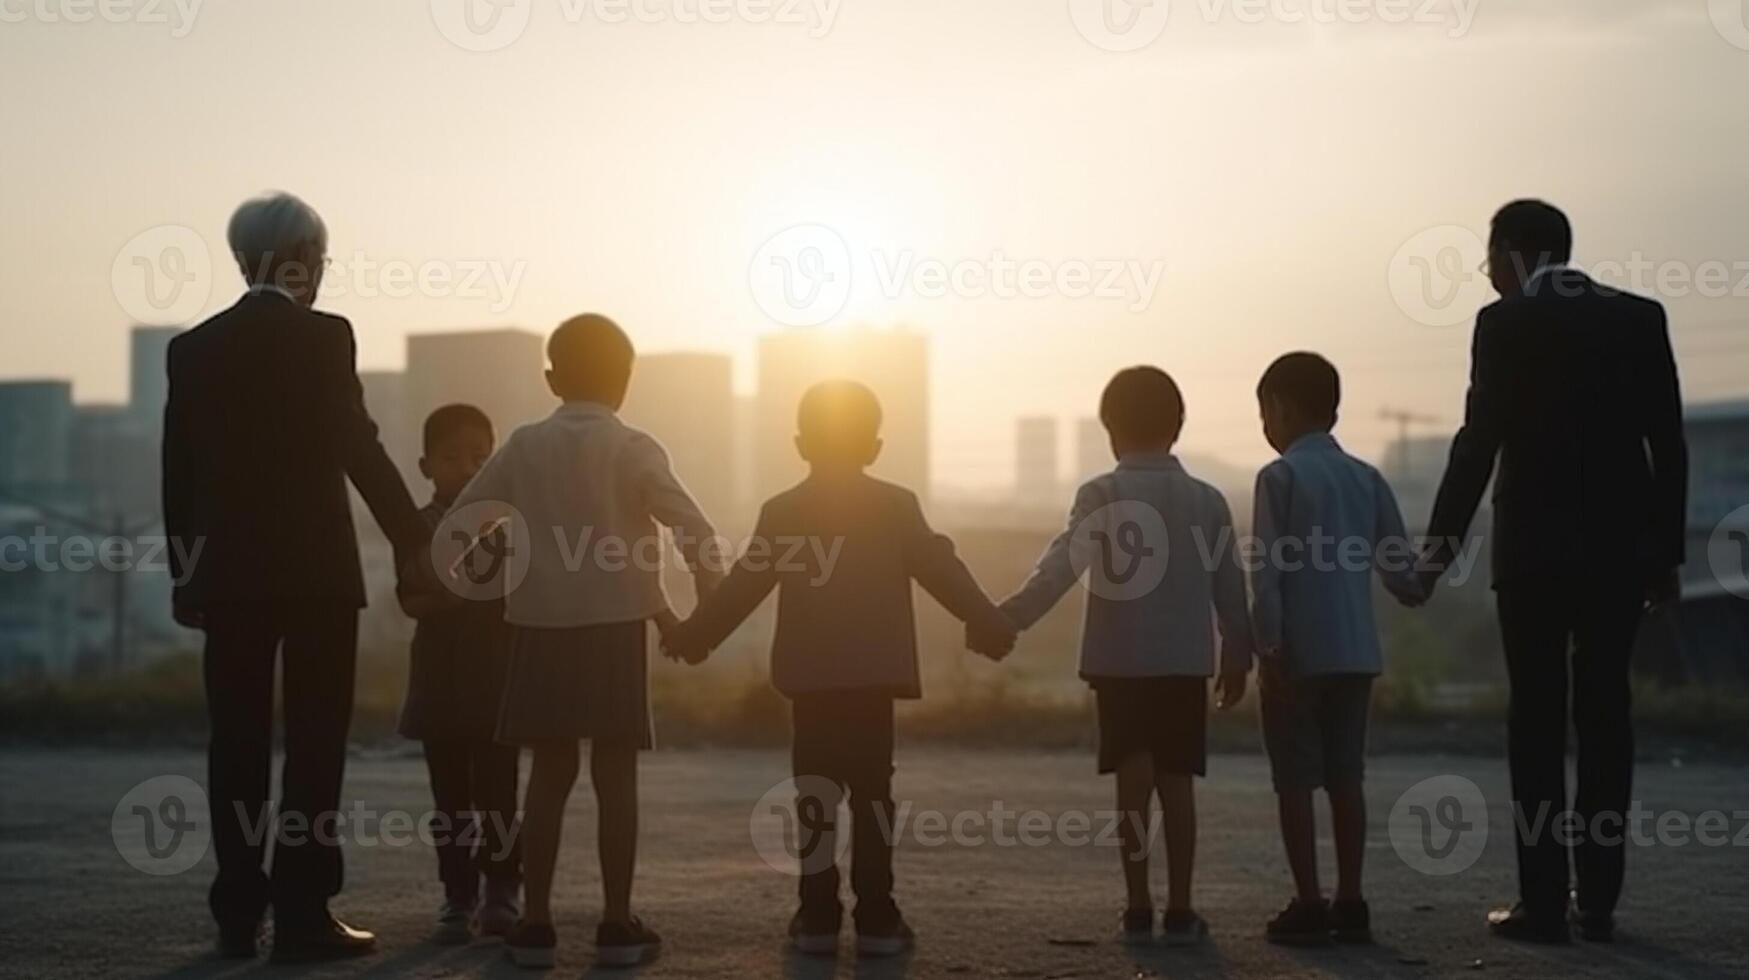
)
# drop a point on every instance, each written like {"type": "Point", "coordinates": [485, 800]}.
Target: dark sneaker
{"type": "Point", "coordinates": [1138, 925]}
{"type": "Point", "coordinates": [1182, 927]}
{"type": "Point", "coordinates": [816, 933]}
{"type": "Point", "coordinates": [323, 939]}
{"type": "Point", "coordinates": [1300, 924]}
{"type": "Point", "coordinates": [1520, 924]}
{"type": "Point", "coordinates": [240, 942]}
{"type": "Point", "coordinates": [531, 945]}
{"type": "Point", "coordinates": [499, 909]}
{"type": "Point", "coordinates": [889, 938]}
{"type": "Point", "coordinates": [1351, 922]}
{"type": "Point", "coordinates": [453, 922]}
{"type": "Point", "coordinates": [1593, 928]}
{"type": "Point", "coordinates": [625, 943]}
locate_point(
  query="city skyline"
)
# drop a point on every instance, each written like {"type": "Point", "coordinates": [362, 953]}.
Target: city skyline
{"type": "Point", "coordinates": [1261, 187]}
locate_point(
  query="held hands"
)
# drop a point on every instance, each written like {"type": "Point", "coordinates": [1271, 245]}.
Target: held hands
{"type": "Point", "coordinates": [187, 616]}
{"type": "Point", "coordinates": [1230, 689]}
{"type": "Point", "coordinates": [993, 635]}
{"type": "Point", "coordinates": [679, 642]}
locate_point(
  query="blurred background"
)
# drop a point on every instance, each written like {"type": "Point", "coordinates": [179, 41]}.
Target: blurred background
{"type": "Point", "coordinates": [982, 209]}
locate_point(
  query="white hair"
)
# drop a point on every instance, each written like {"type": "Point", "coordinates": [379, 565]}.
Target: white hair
{"type": "Point", "coordinates": [271, 229]}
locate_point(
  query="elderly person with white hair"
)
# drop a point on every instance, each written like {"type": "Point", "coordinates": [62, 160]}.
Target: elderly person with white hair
{"type": "Point", "coordinates": [264, 426]}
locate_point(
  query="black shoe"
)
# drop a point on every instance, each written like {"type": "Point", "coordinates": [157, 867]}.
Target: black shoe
{"type": "Point", "coordinates": [326, 938]}
{"type": "Point", "coordinates": [1593, 928]}
{"type": "Point", "coordinates": [1138, 926]}
{"type": "Point", "coordinates": [1182, 927]}
{"type": "Point", "coordinates": [1522, 925]}
{"type": "Point", "coordinates": [625, 943]}
{"type": "Point", "coordinates": [1351, 922]}
{"type": "Point", "coordinates": [531, 945]}
{"type": "Point", "coordinates": [891, 937]}
{"type": "Point", "coordinates": [240, 942]}
{"type": "Point", "coordinates": [1300, 924]}
{"type": "Point", "coordinates": [816, 932]}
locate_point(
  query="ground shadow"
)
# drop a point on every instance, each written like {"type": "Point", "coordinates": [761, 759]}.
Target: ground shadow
{"type": "Point", "coordinates": [421, 959]}
{"type": "Point", "coordinates": [1201, 962]}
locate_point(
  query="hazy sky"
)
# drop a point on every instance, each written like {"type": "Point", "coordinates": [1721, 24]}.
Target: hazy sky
{"type": "Point", "coordinates": [1277, 166]}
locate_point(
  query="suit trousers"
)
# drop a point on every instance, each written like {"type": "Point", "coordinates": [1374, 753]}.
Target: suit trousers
{"type": "Point", "coordinates": [316, 645]}
{"type": "Point", "coordinates": [1570, 643]}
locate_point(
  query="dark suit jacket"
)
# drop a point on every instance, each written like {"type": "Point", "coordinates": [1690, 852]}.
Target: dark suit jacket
{"type": "Point", "coordinates": [265, 422]}
{"type": "Point", "coordinates": [1573, 388]}
{"type": "Point", "coordinates": [843, 554]}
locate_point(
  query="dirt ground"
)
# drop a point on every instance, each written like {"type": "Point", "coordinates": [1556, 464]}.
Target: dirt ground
{"type": "Point", "coordinates": [996, 902]}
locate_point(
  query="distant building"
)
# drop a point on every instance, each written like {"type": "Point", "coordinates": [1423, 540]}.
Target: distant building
{"type": "Point", "coordinates": [36, 428]}
{"type": "Point", "coordinates": [113, 460]}
{"type": "Point", "coordinates": [1036, 479]}
{"type": "Point", "coordinates": [687, 401]}
{"type": "Point", "coordinates": [500, 371]}
{"type": "Point", "coordinates": [385, 398]}
{"type": "Point", "coordinates": [39, 605]}
{"type": "Point", "coordinates": [1414, 467]}
{"type": "Point", "coordinates": [1705, 639]}
{"type": "Point", "coordinates": [1092, 450]}
{"type": "Point", "coordinates": [894, 363]}
{"type": "Point", "coordinates": [148, 379]}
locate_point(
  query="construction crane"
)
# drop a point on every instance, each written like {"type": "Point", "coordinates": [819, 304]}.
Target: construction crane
{"type": "Point", "coordinates": [1404, 419]}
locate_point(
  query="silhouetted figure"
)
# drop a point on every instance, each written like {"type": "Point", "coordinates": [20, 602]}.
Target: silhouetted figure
{"type": "Point", "coordinates": [593, 494]}
{"type": "Point", "coordinates": [1169, 575]}
{"type": "Point", "coordinates": [1317, 638]}
{"type": "Point", "coordinates": [1573, 389]}
{"type": "Point", "coordinates": [455, 683]}
{"type": "Point", "coordinates": [842, 549]}
{"type": "Point", "coordinates": [264, 425]}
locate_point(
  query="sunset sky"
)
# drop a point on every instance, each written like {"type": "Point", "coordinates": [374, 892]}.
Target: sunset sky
{"type": "Point", "coordinates": [1280, 178]}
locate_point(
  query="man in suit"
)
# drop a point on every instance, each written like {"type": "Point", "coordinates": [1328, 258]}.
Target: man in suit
{"type": "Point", "coordinates": [1573, 389]}
{"type": "Point", "coordinates": [264, 425]}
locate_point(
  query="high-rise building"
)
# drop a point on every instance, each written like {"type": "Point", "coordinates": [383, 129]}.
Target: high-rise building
{"type": "Point", "coordinates": [385, 398]}
{"type": "Point", "coordinates": [687, 401]}
{"type": "Point", "coordinates": [894, 363]}
{"type": "Point", "coordinates": [500, 371]}
{"type": "Point", "coordinates": [1092, 450]}
{"type": "Point", "coordinates": [36, 428]}
{"type": "Point", "coordinates": [148, 382]}
{"type": "Point", "coordinates": [1035, 460]}
{"type": "Point", "coordinates": [113, 459]}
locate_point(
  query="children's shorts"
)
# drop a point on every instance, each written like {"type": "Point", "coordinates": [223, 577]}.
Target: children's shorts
{"type": "Point", "coordinates": [581, 682]}
{"type": "Point", "coordinates": [1314, 728]}
{"type": "Point", "coordinates": [1165, 717]}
